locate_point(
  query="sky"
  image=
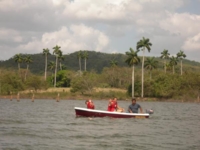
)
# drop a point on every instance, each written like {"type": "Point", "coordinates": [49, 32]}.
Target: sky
{"type": "Point", "coordinates": [109, 26]}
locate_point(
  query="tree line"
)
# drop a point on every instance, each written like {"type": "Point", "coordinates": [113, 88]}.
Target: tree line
{"type": "Point", "coordinates": [114, 75]}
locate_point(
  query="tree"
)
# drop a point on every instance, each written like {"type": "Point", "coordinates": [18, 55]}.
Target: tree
{"type": "Point", "coordinates": [10, 82]}
{"type": "Point", "coordinates": [51, 66]}
{"type": "Point", "coordinates": [18, 59]}
{"type": "Point", "coordinates": [85, 83]}
{"type": "Point", "coordinates": [132, 60]}
{"type": "Point", "coordinates": [181, 55]}
{"type": "Point", "coordinates": [168, 67]}
{"type": "Point", "coordinates": [27, 60]}
{"type": "Point", "coordinates": [113, 63]}
{"type": "Point", "coordinates": [79, 56]}
{"type": "Point", "coordinates": [45, 53]}
{"type": "Point", "coordinates": [165, 55]}
{"type": "Point", "coordinates": [150, 64]}
{"type": "Point", "coordinates": [34, 82]}
{"type": "Point", "coordinates": [64, 78]}
{"type": "Point", "coordinates": [173, 62]}
{"type": "Point", "coordinates": [142, 44]}
{"type": "Point", "coordinates": [85, 57]}
{"type": "Point", "coordinates": [60, 58]}
{"type": "Point", "coordinates": [63, 67]}
{"type": "Point", "coordinates": [56, 52]}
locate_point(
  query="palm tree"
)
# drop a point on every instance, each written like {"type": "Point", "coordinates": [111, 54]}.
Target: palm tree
{"type": "Point", "coordinates": [19, 59]}
{"type": "Point", "coordinates": [63, 67]}
{"type": "Point", "coordinates": [61, 58]}
{"type": "Point", "coordinates": [113, 63]}
{"type": "Point", "coordinates": [150, 64]}
{"type": "Point", "coordinates": [51, 66]}
{"type": "Point", "coordinates": [45, 53]}
{"type": "Point", "coordinates": [79, 56]}
{"type": "Point", "coordinates": [173, 62]}
{"type": "Point", "coordinates": [143, 43]}
{"type": "Point", "coordinates": [85, 57]}
{"type": "Point", "coordinates": [181, 55]}
{"type": "Point", "coordinates": [27, 60]}
{"type": "Point", "coordinates": [168, 66]}
{"type": "Point", "coordinates": [132, 60]}
{"type": "Point", "coordinates": [56, 52]}
{"type": "Point", "coordinates": [165, 55]}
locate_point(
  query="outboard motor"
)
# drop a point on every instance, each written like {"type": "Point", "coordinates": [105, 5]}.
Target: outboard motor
{"type": "Point", "coordinates": [149, 111]}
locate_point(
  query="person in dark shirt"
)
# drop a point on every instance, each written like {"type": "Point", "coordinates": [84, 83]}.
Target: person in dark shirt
{"type": "Point", "coordinates": [133, 108]}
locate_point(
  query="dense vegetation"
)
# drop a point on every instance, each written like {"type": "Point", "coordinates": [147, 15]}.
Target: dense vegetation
{"type": "Point", "coordinates": [85, 70]}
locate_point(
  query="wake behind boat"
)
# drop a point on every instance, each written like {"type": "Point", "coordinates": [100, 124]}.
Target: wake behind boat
{"type": "Point", "coordinates": [84, 112]}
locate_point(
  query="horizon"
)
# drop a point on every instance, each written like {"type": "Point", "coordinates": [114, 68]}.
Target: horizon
{"type": "Point", "coordinates": [93, 51]}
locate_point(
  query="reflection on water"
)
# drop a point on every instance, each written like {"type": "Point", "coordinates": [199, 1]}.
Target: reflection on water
{"type": "Point", "coordinates": [49, 125]}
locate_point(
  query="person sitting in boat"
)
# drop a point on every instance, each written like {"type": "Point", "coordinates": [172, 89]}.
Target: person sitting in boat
{"type": "Point", "coordinates": [113, 106]}
{"type": "Point", "coordinates": [133, 108]}
{"type": "Point", "coordinates": [110, 105]}
{"type": "Point", "coordinates": [90, 104]}
{"type": "Point", "coordinates": [117, 107]}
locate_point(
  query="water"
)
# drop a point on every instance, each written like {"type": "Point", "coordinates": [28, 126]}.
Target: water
{"type": "Point", "coordinates": [51, 125]}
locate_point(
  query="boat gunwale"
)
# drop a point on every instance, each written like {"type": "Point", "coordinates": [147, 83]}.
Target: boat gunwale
{"type": "Point", "coordinates": [108, 112]}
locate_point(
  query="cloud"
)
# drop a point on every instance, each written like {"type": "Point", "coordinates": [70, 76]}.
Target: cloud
{"type": "Point", "coordinates": [104, 25]}
{"type": "Point", "coordinates": [10, 35]}
{"type": "Point", "coordinates": [192, 43]}
{"type": "Point", "coordinates": [184, 24]}
{"type": "Point", "coordinates": [74, 38]}
{"type": "Point", "coordinates": [184, 27]}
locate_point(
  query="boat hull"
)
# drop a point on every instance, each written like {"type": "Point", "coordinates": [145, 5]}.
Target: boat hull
{"type": "Point", "coordinates": [84, 112]}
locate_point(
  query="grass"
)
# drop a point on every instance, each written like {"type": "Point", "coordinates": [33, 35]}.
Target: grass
{"type": "Point", "coordinates": [65, 94]}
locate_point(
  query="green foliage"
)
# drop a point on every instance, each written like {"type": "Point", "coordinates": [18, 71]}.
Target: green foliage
{"type": "Point", "coordinates": [150, 63]}
{"type": "Point", "coordinates": [137, 89]}
{"type": "Point", "coordinates": [10, 82]}
{"type": "Point", "coordinates": [36, 83]}
{"type": "Point", "coordinates": [132, 58]}
{"type": "Point", "coordinates": [97, 61]}
{"type": "Point", "coordinates": [84, 83]}
{"type": "Point", "coordinates": [144, 43]}
{"type": "Point", "coordinates": [163, 85]}
{"type": "Point", "coordinates": [118, 77]}
{"type": "Point", "coordinates": [64, 78]}
{"type": "Point", "coordinates": [169, 86]}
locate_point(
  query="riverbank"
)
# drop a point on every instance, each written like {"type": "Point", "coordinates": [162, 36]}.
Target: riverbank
{"type": "Point", "coordinates": [97, 94]}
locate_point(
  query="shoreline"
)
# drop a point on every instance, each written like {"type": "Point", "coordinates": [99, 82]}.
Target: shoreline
{"type": "Point", "coordinates": [59, 94]}
{"type": "Point", "coordinates": [146, 99]}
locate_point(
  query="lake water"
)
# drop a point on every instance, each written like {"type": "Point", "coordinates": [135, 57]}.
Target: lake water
{"type": "Point", "coordinates": [51, 125]}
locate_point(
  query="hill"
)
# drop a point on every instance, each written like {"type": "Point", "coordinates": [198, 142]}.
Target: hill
{"type": "Point", "coordinates": [96, 61]}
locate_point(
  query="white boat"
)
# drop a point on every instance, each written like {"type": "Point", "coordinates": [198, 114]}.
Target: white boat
{"type": "Point", "coordinates": [84, 112]}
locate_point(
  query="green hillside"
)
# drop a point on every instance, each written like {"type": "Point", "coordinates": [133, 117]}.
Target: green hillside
{"type": "Point", "coordinates": [96, 61]}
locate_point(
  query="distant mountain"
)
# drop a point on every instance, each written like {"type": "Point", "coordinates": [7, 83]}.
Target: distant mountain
{"type": "Point", "coordinates": [96, 61]}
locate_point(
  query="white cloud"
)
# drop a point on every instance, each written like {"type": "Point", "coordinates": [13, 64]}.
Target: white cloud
{"type": "Point", "coordinates": [102, 25]}
{"type": "Point", "coordinates": [74, 38]}
{"type": "Point", "coordinates": [10, 35]}
{"type": "Point", "coordinates": [181, 24]}
{"type": "Point", "coordinates": [192, 43]}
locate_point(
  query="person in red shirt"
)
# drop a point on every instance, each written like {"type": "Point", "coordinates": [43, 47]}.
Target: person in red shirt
{"type": "Point", "coordinates": [113, 106]}
{"type": "Point", "coordinates": [109, 105]}
{"type": "Point", "coordinates": [90, 104]}
{"type": "Point", "coordinates": [116, 106]}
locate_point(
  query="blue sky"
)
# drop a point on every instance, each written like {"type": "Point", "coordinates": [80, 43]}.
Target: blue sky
{"type": "Point", "coordinates": [106, 26]}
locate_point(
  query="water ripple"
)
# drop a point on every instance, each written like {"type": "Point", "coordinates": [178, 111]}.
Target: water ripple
{"type": "Point", "coordinates": [48, 125]}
